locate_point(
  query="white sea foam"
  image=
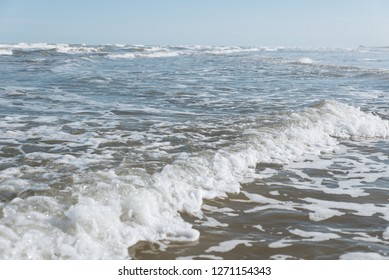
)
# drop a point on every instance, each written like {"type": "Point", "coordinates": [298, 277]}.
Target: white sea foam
{"type": "Point", "coordinates": [5, 51]}
{"type": "Point", "coordinates": [31, 46]}
{"type": "Point", "coordinates": [385, 234]}
{"type": "Point", "coordinates": [121, 51]}
{"type": "Point", "coordinates": [229, 245]}
{"type": "Point", "coordinates": [314, 236]}
{"type": "Point", "coordinates": [145, 54]}
{"type": "Point", "coordinates": [206, 257]}
{"type": "Point", "coordinates": [282, 243]}
{"type": "Point", "coordinates": [112, 211]}
{"type": "Point", "coordinates": [282, 257]}
{"type": "Point", "coordinates": [225, 210]}
{"type": "Point", "coordinates": [76, 49]}
{"type": "Point", "coordinates": [122, 55]}
{"type": "Point", "coordinates": [211, 222]}
{"type": "Point", "coordinates": [228, 50]}
{"type": "Point", "coordinates": [319, 209]}
{"type": "Point", "coordinates": [306, 236]}
{"type": "Point", "coordinates": [271, 49]}
{"type": "Point", "coordinates": [259, 227]}
{"type": "Point", "coordinates": [160, 54]}
{"type": "Point", "coordinates": [363, 256]}
{"type": "Point", "coordinates": [305, 60]}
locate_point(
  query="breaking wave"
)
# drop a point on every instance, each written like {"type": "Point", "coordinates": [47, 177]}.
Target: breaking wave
{"type": "Point", "coordinates": [108, 211]}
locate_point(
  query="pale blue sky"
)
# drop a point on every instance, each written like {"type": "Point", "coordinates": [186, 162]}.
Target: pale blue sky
{"type": "Point", "coordinates": [301, 23]}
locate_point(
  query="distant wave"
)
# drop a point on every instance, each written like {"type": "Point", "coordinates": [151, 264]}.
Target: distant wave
{"type": "Point", "coordinates": [127, 51]}
{"type": "Point", "coordinates": [60, 48]}
{"type": "Point", "coordinates": [305, 60]}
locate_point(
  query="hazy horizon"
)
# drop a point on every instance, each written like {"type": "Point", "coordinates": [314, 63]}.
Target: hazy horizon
{"type": "Point", "coordinates": [301, 23]}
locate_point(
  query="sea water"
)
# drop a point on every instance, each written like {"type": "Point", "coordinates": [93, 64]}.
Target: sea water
{"type": "Point", "coordinates": [193, 152]}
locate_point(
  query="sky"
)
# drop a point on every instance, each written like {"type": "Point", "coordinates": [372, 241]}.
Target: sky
{"type": "Point", "coordinates": [289, 23]}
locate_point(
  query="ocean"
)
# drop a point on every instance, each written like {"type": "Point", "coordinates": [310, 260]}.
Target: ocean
{"type": "Point", "coordinates": [193, 152]}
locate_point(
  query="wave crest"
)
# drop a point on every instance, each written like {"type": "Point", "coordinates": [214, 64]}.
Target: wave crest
{"type": "Point", "coordinates": [115, 211]}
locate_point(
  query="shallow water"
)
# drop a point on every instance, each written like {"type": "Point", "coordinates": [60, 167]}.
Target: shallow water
{"type": "Point", "coordinates": [148, 152]}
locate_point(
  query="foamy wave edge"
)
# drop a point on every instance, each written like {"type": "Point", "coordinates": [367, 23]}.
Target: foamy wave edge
{"type": "Point", "coordinates": [116, 211]}
{"type": "Point", "coordinates": [127, 51]}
